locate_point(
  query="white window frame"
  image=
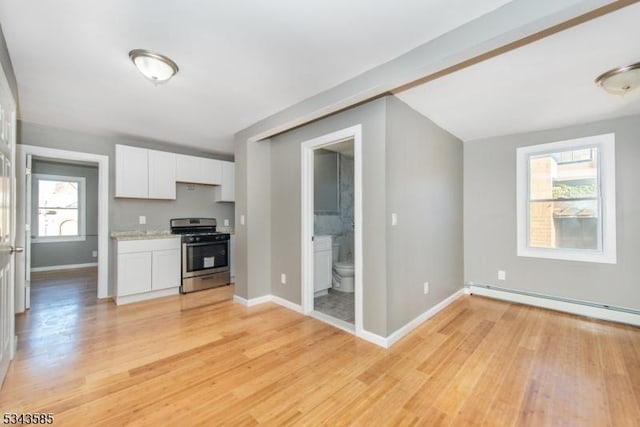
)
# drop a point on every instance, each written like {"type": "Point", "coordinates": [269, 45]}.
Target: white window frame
{"type": "Point", "coordinates": [606, 184]}
{"type": "Point", "coordinates": [82, 211]}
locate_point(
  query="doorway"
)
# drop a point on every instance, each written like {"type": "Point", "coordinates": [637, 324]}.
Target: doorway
{"type": "Point", "coordinates": [24, 231]}
{"type": "Point", "coordinates": [332, 229]}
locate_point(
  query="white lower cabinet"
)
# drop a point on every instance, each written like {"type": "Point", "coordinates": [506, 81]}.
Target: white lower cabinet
{"type": "Point", "coordinates": [147, 269]}
{"type": "Point", "coordinates": [134, 273]}
{"type": "Point", "coordinates": [165, 271]}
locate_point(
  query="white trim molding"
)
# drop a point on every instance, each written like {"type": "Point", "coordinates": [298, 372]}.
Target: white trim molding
{"type": "Point", "coordinates": [307, 211]}
{"type": "Point", "coordinates": [400, 333]}
{"type": "Point", "coordinates": [378, 340]}
{"type": "Point", "coordinates": [63, 267]}
{"type": "Point", "coordinates": [606, 251]}
{"type": "Point", "coordinates": [581, 308]}
{"type": "Point", "coordinates": [103, 210]}
{"type": "Point", "coordinates": [267, 298]}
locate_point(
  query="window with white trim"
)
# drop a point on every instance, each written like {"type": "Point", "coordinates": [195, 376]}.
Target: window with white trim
{"type": "Point", "coordinates": [566, 200]}
{"type": "Point", "coordinates": [59, 211]}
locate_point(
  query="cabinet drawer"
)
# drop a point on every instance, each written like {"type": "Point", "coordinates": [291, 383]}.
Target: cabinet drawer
{"type": "Point", "coordinates": [131, 246]}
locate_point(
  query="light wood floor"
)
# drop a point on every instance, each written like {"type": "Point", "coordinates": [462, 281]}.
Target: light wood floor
{"type": "Point", "coordinates": [201, 359]}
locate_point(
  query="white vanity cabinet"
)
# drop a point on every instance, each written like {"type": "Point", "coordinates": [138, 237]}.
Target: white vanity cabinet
{"type": "Point", "coordinates": [147, 268]}
{"type": "Point", "coordinates": [145, 174]}
{"type": "Point", "coordinates": [322, 264]}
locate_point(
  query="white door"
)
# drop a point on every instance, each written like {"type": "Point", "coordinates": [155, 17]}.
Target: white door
{"type": "Point", "coordinates": [7, 207]}
{"type": "Point", "coordinates": [27, 235]}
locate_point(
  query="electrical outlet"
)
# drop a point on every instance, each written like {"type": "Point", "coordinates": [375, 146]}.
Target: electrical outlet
{"type": "Point", "coordinates": [226, 222]}
{"type": "Point", "coordinates": [426, 288]}
{"type": "Point", "coordinates": [142, 219]}
{"type": "Point", "coordinates": [502, 275]}
{"type": "Point", "coordinates": [394, 219]}
{"type": "Point", "coordinates": [283, 278]}
{"type": "Point", "coordinates": [94, 254]}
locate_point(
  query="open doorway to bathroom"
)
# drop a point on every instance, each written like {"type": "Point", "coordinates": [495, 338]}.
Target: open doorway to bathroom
{"type": "Point", "coordinates": [331, 229]}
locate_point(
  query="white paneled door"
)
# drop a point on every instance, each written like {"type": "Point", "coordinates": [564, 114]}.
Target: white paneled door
{"type": "Point", "coordinates": [7, 207]}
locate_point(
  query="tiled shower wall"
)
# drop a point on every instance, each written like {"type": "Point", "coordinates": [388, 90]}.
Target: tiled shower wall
{"type": "Point", "coordinates": [340, 225]}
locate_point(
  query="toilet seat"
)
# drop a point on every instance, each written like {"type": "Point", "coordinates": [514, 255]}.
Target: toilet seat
{"type": "Point", "coordinates": [345, 266]}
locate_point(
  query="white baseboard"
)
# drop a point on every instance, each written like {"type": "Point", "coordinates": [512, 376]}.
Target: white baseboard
{"type": "Point", "coordinates": [613, 314]}
{"type": "Point", "coordinates": [287, 304]}
{"type": "Point", "coordinates": [63, 267]}
{"type": "Point", "coordinates": [363, 334]}
{"type": "Point", "coordinates": [128, 299]}
{"type": "Point", "coordinates": [268, 298]}
{"type": "Point", "coordinates": [397, 335]}
{"type": "Point", "coordinates": [372, 338]}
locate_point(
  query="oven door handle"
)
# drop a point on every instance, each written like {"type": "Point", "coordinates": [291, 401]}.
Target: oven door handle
{"type": "Point", "coordinates": [188, 245]}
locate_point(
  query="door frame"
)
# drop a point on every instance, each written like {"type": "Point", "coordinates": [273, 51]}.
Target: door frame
{"type": "Point", "coordinates": [103, 211]}
{"type": "Point", "coordinates": [307, 232]}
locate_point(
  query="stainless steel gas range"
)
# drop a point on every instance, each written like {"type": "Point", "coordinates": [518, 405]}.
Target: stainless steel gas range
{"type": "Point", "coordinates": [205, 254]}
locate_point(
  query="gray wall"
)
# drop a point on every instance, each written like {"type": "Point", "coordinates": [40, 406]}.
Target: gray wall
{"type": "Point", "coordinates": [123, 213]}
{"type": "Point", "coordinates": [410, 167]}
{"type": "Point", "coordinates": [65, 253]}
{"type": "Point", "coordinates": [285, 207]}
{"type": "Point", "coordinates": [7, 67]}
{"type": "Point", "coordinates": [424, 189]}
{"type": "Point", "coordinates": [490, 220]}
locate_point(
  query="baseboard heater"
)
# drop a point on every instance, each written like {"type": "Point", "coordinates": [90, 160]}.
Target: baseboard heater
{"type": "Point", "coordinates": [583, 308]}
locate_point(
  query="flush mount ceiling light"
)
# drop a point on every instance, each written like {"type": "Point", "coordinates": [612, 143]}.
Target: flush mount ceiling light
{"type": "Point", "coordinates": [154, 66]}
{"type": "Point", "coordinates": [620, 81]}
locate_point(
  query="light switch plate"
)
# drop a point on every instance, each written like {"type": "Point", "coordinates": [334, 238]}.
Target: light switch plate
{"type": "Point", "coordinates": [241, 219]}
{"type": "Point", "coordinates": [394, 219]}
{"type": "Point", "coordinates": [142, 219]}
{"type": "Point", "coordinates": [226, 222]}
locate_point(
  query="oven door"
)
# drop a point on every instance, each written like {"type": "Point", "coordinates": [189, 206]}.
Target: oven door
{"type": "Point", "coordinates": [204, 258]}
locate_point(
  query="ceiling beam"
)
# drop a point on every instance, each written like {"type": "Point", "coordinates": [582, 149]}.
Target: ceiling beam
{"type": "Point", "coordinates": [513, 25]}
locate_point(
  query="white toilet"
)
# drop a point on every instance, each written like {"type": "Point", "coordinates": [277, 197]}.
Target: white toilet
{"type": "Point", "coordinates": [343, 272]}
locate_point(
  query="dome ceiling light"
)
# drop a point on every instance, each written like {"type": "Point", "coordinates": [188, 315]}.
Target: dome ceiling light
{"type": "Point", "coordinates": [154, 66]}
{"type": "Point", "coordinates": [622, 80]}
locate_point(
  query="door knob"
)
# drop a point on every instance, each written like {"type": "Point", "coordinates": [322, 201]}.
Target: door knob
{"type": "Point", "coordinates": [17, 249]}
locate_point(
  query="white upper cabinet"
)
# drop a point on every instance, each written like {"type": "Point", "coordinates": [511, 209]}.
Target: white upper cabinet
{"type": "Point", "coordinates": [145, 174]}
{"type": "Point", "coordinates": [226, 191]}
{"type": "Point", "coordinates": [198, 170]}
{"type": "Point", "coordinates": [152, 174]}
{"type": "Point", "coordinates": [162, 175]}
{"type": "Point", "coordinates": [132, 173]}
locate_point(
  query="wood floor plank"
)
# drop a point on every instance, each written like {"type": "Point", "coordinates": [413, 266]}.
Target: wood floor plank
{"type": "Point", "coordinates": [201, 359]}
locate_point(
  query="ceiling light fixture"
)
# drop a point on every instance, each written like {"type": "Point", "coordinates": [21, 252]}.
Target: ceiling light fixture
{"type": "Point", "coordinates": [622, 80]}
{"type": "Point", "coordinates": [154, 66]}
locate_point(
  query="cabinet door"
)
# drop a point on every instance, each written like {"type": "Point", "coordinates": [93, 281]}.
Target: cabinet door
{"type": "Point", "coordinates": [132, 172]}
{"type": "Point", "coordinates": [162, 175]}
{"type": "Point", "coordinates": [134, 273]}
{"type": "Point", "coordinates": [211, 171]}
{"type": "Point", "coordinates": [166, 269]}
{"type": "Point", "coordinates": [188, 169]}
{"type": "Point", "coordinates": [322, 274]}
{"type": "Point", "coordinates": [226, 191]}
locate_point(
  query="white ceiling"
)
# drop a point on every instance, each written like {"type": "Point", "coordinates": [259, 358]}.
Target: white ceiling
{"type": "Point", "coordinates": [240, 61]}
{"type": "Point", "coordinates": [547, 84]}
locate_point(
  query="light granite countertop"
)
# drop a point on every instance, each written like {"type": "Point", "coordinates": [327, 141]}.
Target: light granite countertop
{"type": "Point", "coordinates": [142, 235]}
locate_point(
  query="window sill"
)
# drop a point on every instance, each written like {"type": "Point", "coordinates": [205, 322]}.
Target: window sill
{"type": "Point", "coordinates": [65, 239]}
{"type": "Point", "coordinates": [569, 255]}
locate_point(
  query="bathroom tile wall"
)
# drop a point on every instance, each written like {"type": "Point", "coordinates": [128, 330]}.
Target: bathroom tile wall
{"type": "Point", "coordinates": [340, 225]}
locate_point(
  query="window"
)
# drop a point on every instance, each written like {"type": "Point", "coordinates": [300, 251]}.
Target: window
{"type": "Point", "coordinates": [566, 200]}
{"type": "Point", "coordinates": [59, 211]}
